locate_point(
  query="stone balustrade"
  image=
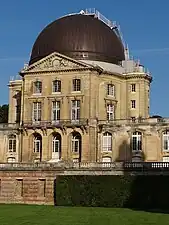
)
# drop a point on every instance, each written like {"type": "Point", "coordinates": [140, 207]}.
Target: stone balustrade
{"type": "Point", "coordinates": [116, 166]}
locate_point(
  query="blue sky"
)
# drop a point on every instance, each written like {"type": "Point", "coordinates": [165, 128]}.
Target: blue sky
{"type": "Point", "coordinates": [144, 27]}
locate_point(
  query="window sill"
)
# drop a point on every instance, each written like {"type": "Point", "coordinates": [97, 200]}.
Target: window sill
{"type": "Point", "coordinates": [110, 96]}
{"type": "Point", "coordinates": [137, 151]}
{"type": "Point", "coordinates": [106, 151]}
{"type": "Point", "coordinates": [76, 92]}
{"type": "Point", "coordinates": [56, 93]}
{"type": "Point", "coordinates": [37, 94]}
{"type": "Point", "coordinates": [166, 151]}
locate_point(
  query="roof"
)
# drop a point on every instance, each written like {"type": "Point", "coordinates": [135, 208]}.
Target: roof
{"type": "Point", "coordinates": [80, 37]}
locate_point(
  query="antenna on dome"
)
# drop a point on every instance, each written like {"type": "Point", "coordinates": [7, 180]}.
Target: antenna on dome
{"type": "Point", "coordinates": [127, 54]}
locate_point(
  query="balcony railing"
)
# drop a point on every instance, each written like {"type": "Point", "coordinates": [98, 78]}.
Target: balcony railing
{"type": "Point", "coordinates": [113, 166]}
{"type": "Point", "coordinates": [9, 125]}
{"type": "Point", "coordinates": [59, 123]}
{"type": "Point", "coordinates": [135, 121]}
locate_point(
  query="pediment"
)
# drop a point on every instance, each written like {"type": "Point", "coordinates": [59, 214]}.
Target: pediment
{"type": "Point", "coordinates": [55, 62]}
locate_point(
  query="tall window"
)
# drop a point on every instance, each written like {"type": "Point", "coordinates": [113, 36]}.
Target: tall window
{"type": "Point", "coordinates": [55, 110]}
{"type": "Point", "coordinates": [166, 141]}
{"type": "Point", "coordinates": [56, 147]}
{"type": "Point", "coordinates": [133, 87]}
{"type": "Point", "coordinates": [12, 143]}
{"type": "Point", "coordinates": [133, 104]}
{"type": "Point", "coordinates": [110, 112]}
{"type": "Point", "coordinates": [37, 111]}
{"type": "Point", "coordinates": [18, 106]}
{"type": "Point", "coordinates": [75, 110]}
{"type": "Point", "coordinates": [56, 86]}
{"type": "Point", "coordinates": [111, 90]}
{"type": "Point", "coordinates": [37, 87]}
{"type": "Point", "coordinates": [107, 142]}
{"type": "Point", "coordinates": [76, 143]}
{"type": "Point", "coordinates": [76, 84]}
{"type": "Point", "coordinates": [37, 143]}
{"type": "Point", "coordinates": [56, 143]}
{"type": "Point", "coordinates": [137, 141]}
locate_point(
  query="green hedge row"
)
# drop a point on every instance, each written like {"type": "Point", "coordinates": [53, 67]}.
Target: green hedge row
{"type": "Point", "coordinates": [113, 191]}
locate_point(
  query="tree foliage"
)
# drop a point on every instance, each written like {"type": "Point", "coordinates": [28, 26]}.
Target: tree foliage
{"type": "Point", "coordinates": [4, 113]}
{"type": "Point", "coordinates": [142, 192]}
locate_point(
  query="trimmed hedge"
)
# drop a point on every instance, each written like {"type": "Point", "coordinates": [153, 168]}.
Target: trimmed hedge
{"type": "Point", "coordinates": [113, 191]}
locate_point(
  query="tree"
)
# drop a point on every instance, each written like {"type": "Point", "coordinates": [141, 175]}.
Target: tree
{"type": "Point", "coordinates": [4, 113]}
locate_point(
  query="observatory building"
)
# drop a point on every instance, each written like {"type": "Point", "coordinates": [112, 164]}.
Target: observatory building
{"type": "Point", "coordinates": [82, 98]}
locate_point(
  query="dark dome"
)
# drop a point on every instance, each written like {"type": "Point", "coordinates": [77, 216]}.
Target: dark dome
{"type": "Point", "coordinates": [80, 37]}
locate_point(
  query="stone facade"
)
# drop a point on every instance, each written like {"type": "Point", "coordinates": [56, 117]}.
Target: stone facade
{"type": "Point", "coordinates": [101, 115]}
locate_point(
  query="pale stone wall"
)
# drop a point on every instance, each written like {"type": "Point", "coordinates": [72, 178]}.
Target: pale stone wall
{"type": "Point", "coordinates": [93, 97]}
{"type": "Point", "coordinates": [14, 88]}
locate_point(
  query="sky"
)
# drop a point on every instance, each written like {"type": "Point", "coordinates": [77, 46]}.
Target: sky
{"type": "Point", "coordinates": [144, 26]}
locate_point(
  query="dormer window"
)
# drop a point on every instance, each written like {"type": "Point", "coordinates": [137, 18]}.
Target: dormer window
{"type": "Point", "coordinates": [76, 84]}
{"type": "Point", "coordinates": [111, 90]}
{"type": "Point", "coordinates": [56, 86]}
{"type": "Point", "coordinates": [38, 87]}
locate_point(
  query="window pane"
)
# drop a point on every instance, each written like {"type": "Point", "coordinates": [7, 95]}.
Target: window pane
{"type": "Point", "coordinates": [56, 145]}
{"type": "Point", "coordinates": [166, 141]}
{"type": "Point", "coordinates": [110, 89]}
{"type": "Point", "coordinates": [76, 84]}
{"type": "Point", "coordinates": [38, 87]}
{"type": "Point", "coordinates": [37, 111]}
{"type": "Point", "coordinates": [75, 111]}
{"type": "Point", "coordinates": [10, 144]}
{"type": "Point", "coordinates": [57, 86]}
{"type": "Point", "coordinates": [134, 143]}
{"type": "Point", "coordinates": [14, 145]}
{"type": "Point", "coordinates": [107, 142]}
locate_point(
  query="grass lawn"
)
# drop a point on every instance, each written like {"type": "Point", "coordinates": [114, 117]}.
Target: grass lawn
{"type": "Point", "coordinates": [50, 215]}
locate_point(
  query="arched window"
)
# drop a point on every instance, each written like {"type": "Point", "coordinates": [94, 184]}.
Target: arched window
{"type": "Point", "coordinates": [166, 140]}
{"type": "Point", "coordinates": [12, 143]}
{"type": "Point", "coordinates": [137, 141]}
{"type": "Point", "coordinates": [56, 146]}
{"type": "Point", "coordinates": [107, 142]}
{"type": "Point", "coordinates": [37, 143]}
{"type": "Point", "coordinates": [76, 142]}
{"type": "Point", "coordinates": [37, 87]}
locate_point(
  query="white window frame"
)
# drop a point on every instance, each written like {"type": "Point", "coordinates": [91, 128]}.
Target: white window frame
{"type": "Point", "coordinates": [76, 85]}
{"type": "Point", "coordinates": [111, 90]}
{"type": "Point", "coordinates": [55, 111]}
{"type": "Point", "coordinates": [37, 144]}
{"type": "Point", "coordinates": [12, 143]}
{"type": "Point", "coordinates": [75, 110]}
{"type": "Point", "coordinates": [137, 141]}
{"type": "Point", "coordinates": [165, 136]}
{"type": "Point", "coordinates": [37, 111]}
{"type": "Point", "coordinates": [56, 144]}
{"type": "Point", "coordinates": [107, 142]}
{"type": "Point", "coordinates": [110, 111]}
{"type": "Point", "coordinates": [56, 86]}
{"type": "Point", "coordinates": [38, 87]}
{"type": "Point", "coordinates": [75, 144]}
{"type": "Point", "coordinates": [133, 87]}
{"type": "Point", "coordinates": [133, 104]}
